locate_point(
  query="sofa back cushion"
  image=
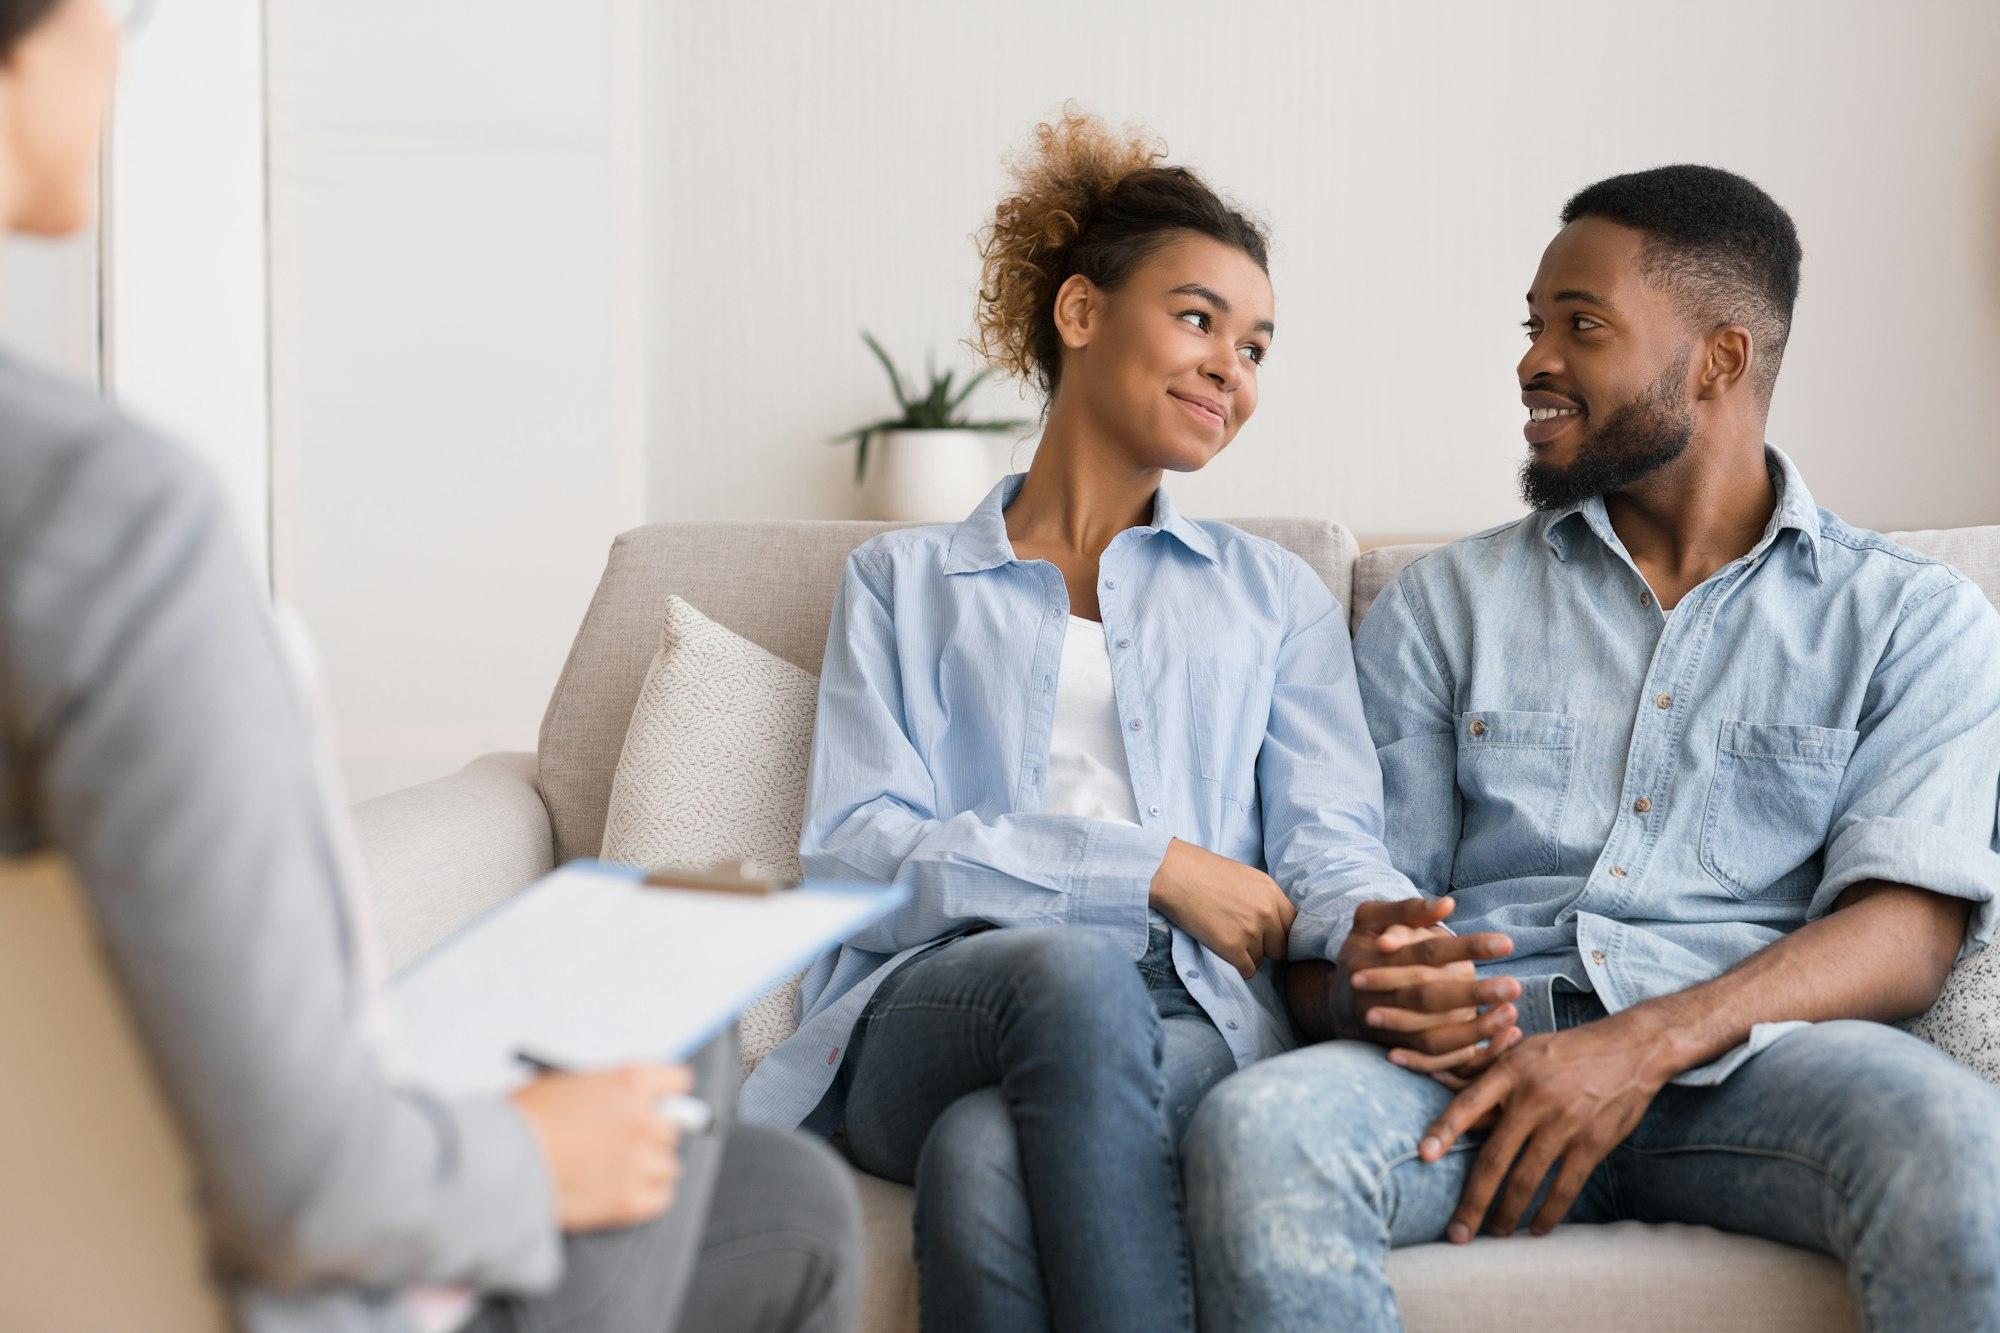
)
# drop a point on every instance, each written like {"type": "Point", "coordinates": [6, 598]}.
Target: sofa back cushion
{"type": "Point", "coordinates": [771, 582]}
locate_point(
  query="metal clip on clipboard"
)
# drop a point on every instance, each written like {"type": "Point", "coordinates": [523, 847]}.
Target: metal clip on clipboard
{"type": "Point", "coordinates": [722, 877]}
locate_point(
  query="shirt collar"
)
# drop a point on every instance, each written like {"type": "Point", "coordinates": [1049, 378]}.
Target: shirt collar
{"type": "Point", "coordinates": [1795, 512]}
{"type": "Point", "coordinates": [980, 542]}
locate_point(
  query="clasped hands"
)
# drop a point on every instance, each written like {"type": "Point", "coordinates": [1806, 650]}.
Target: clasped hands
{"type": "Point", "coordinates": [1402, 981]}
{"type": "Point", "coordinates": [1558, 1102]}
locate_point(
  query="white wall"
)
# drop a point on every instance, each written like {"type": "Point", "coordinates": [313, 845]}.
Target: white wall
{"type": "Point", "coordinates": [184, 253]}
{"type": "Point", "coordinates": [819, 168]}
{"type": "Point", "coordinates": [48, 302]}
{"type": "Point", "coordinates": [161, 300]}
{"type": "Point", "coordinates": [457, 291]}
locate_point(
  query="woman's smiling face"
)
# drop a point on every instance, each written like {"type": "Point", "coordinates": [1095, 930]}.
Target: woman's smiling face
{"type": "Point", "coordinates": [1167, 364]}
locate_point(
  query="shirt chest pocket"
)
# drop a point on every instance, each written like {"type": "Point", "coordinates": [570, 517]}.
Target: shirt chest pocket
{"type": "Point", "coordinates": [1514, 772]}
{"type": "Point", "coordinates": [1230, 704]}
{"type": "Point", "coordinates": [1770, 804]}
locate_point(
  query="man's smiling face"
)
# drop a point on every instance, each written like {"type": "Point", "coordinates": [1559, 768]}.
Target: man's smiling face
{"type": "Point", "coordinates": [1605, 379]}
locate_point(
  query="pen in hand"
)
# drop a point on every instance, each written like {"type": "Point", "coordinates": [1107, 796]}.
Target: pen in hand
{"type": "Point", "coordinates": [691, 1115]}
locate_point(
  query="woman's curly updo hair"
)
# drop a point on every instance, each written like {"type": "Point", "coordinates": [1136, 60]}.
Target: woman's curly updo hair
{"type": "Point", "coordinates": [1086, 200]}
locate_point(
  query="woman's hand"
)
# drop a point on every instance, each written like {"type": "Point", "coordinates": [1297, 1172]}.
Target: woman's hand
{"type": "Point", "coordinates": [1413, 987]}
{"type": "Point", "coordinates": [1240, 913]}
{"type": "Point", "coordinates": [613, 1159]}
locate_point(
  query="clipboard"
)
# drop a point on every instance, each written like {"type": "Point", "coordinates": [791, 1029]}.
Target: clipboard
{"type": "Point", "coordinates": [596, 965]}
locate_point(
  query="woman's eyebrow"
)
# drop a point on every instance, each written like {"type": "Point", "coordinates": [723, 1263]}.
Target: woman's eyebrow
{"type": "Point", "coordinates": [1208, 294]}
{"type": "Point", "coordinates": [1215, 299]}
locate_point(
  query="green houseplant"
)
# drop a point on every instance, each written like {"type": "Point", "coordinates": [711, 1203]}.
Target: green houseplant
{"type": "Point", "coordinates": [929, 456]}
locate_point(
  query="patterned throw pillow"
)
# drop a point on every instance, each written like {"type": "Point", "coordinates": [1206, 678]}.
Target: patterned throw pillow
{"type": "Point", "coordinates": [1965, 1021]}
{"type": "Point", "coordinates": [714, 769]}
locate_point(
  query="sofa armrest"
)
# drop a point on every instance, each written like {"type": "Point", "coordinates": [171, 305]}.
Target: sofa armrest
{"type": "Point", "coordinates": [435, 856]}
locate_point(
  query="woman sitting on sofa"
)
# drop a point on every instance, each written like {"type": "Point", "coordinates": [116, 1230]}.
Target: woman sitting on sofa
{"type": "Point", "coordinates": [1075, 725]}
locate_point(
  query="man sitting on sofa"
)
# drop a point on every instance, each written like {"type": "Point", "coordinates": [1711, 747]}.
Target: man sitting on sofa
{"type": "Point", "coordinates": [1722, 768]}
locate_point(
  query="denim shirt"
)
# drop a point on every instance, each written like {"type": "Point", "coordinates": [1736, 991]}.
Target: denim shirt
{"type": "Point", "coordinates": [1232, 670]}
{"type": "Point", "coordinates": [1643, 800]}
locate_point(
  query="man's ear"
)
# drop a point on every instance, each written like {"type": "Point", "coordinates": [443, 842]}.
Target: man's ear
{"type": "Point", "coordinates": [1079, 306]}
{"type": "Point", "coordinates": [1731, 353]}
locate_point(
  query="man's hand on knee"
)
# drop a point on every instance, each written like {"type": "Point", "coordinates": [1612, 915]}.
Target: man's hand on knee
{"type": "Point", "coordinates": [1557, 1102]}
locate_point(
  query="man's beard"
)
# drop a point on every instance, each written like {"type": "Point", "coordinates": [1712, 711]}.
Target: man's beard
{"type": "Point", "coordinates": [1643, 436]}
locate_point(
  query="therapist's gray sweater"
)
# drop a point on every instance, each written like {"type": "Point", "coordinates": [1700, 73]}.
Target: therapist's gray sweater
{"type": "Point", "coordinates": [150, 730]}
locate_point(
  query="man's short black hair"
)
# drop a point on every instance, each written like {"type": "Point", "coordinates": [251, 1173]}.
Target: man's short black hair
{"type": "Point", "coordinates": [1725, 249]}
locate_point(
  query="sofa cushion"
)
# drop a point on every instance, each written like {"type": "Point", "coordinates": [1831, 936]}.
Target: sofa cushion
{"type": "Point", "coordinates": [771, 582]}
{"type": "Point", "coordinates": [1374, 570]}
{"type": "Point", "coordinates": [1629, 1276]}
{"type": "Point", "coordinates": [1965, 1021]}
{"type": "Point", "coordinates": [1973, 552]}
{"type": "Point", "coordinates": [714, 769]}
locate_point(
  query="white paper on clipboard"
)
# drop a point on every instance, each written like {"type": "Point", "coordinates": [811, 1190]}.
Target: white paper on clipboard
{"type": "Point", "coordinates": [590, 967]}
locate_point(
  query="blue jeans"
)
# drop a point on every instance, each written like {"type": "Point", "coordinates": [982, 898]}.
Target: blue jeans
{"type": "Point", "coordinates": [1849, 1138]}
{"type": "Point", "coordinates": [1033, 1084]}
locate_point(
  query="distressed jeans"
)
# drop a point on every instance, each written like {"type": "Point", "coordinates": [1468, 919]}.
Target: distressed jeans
{"type": "Point", "coordinates": [1850, 1138]}
{"type": "Point", "coordinates": [1033, 1084]}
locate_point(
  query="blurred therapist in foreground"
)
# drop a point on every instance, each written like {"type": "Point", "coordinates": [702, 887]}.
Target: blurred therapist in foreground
{"type": "Point", "coordinates": [153, 733]}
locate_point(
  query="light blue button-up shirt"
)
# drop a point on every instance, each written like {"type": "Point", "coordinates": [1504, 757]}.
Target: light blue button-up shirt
{"type": "Point", "coordinates": [1233, 675]}
{"type": "Point", "coordinates": [1643, 800]}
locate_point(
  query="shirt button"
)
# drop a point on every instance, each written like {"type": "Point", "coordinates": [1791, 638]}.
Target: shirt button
{"type": "Point", "coordinates": [1124, 643]}
{"type": "Point", "coordinates": [1194, 974]}
{"type": "Point", "coordinates": [833, 1055]}
{"type": "Point", "coordinates": [1477, 728]}
{"type": "Point", "coordinates": [1618, 872]}
{"type": "Point", "coordinates": [1642, 805]}
{"type": "Point", "coordinates": [1137, 725]}
{"type": "Point", "coordinates": [1232, 1025]}
{"type": "Point", "coordinates": [1048, 682]}
{"type": "Point", "coordinates": [1111, 583]}
{"type": "Point", "coordinates": [1664, 701]}
{"type": "Point", "coordinates": [1152, 809]}
{"type": "Point", "coordinates": [1645, 599]}
{"type": "Point", "coordinates": [1597, 956]}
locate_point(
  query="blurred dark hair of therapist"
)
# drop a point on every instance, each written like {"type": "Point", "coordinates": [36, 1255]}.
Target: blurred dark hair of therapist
{"type": "Point", "coordinates": [153, 733]}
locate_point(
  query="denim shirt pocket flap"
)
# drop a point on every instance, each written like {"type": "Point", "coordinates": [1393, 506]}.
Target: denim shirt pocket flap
{"type": "Point", "coordinates": [1770, 803]}
{"type": "Point", "coordinates": [1230, 705]}
{"type": "Point", "coordinates": [1514, 769]}
{"type": "Point", "coordinates": [1513, 727]}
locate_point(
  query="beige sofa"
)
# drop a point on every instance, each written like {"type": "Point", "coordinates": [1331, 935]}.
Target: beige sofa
{"type": "Point", "coordinates": [439, 853]}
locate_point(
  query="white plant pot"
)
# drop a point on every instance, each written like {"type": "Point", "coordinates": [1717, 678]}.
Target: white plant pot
{"type": "Point", "coordinates": [928, 476]}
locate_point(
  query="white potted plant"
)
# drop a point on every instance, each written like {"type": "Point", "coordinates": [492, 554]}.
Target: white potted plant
{"type": "Point", "coordinates": [927, 464]}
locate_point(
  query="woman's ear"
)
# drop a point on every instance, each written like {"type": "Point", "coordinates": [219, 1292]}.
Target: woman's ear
{"type": "Point", "coordinates": [1078, 307]}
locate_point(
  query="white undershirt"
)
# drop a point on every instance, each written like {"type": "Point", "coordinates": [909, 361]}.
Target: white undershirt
{"type": "Point", "coordinates": [1088, 775]}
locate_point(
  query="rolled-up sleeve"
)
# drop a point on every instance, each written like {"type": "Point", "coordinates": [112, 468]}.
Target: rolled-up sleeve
{"type": "Point", "coordinates": [1917, 803]}
{"type": "Point", "coordinates": [1318, 780]}
{"type": "Point", "coordinates": [871, 810]}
